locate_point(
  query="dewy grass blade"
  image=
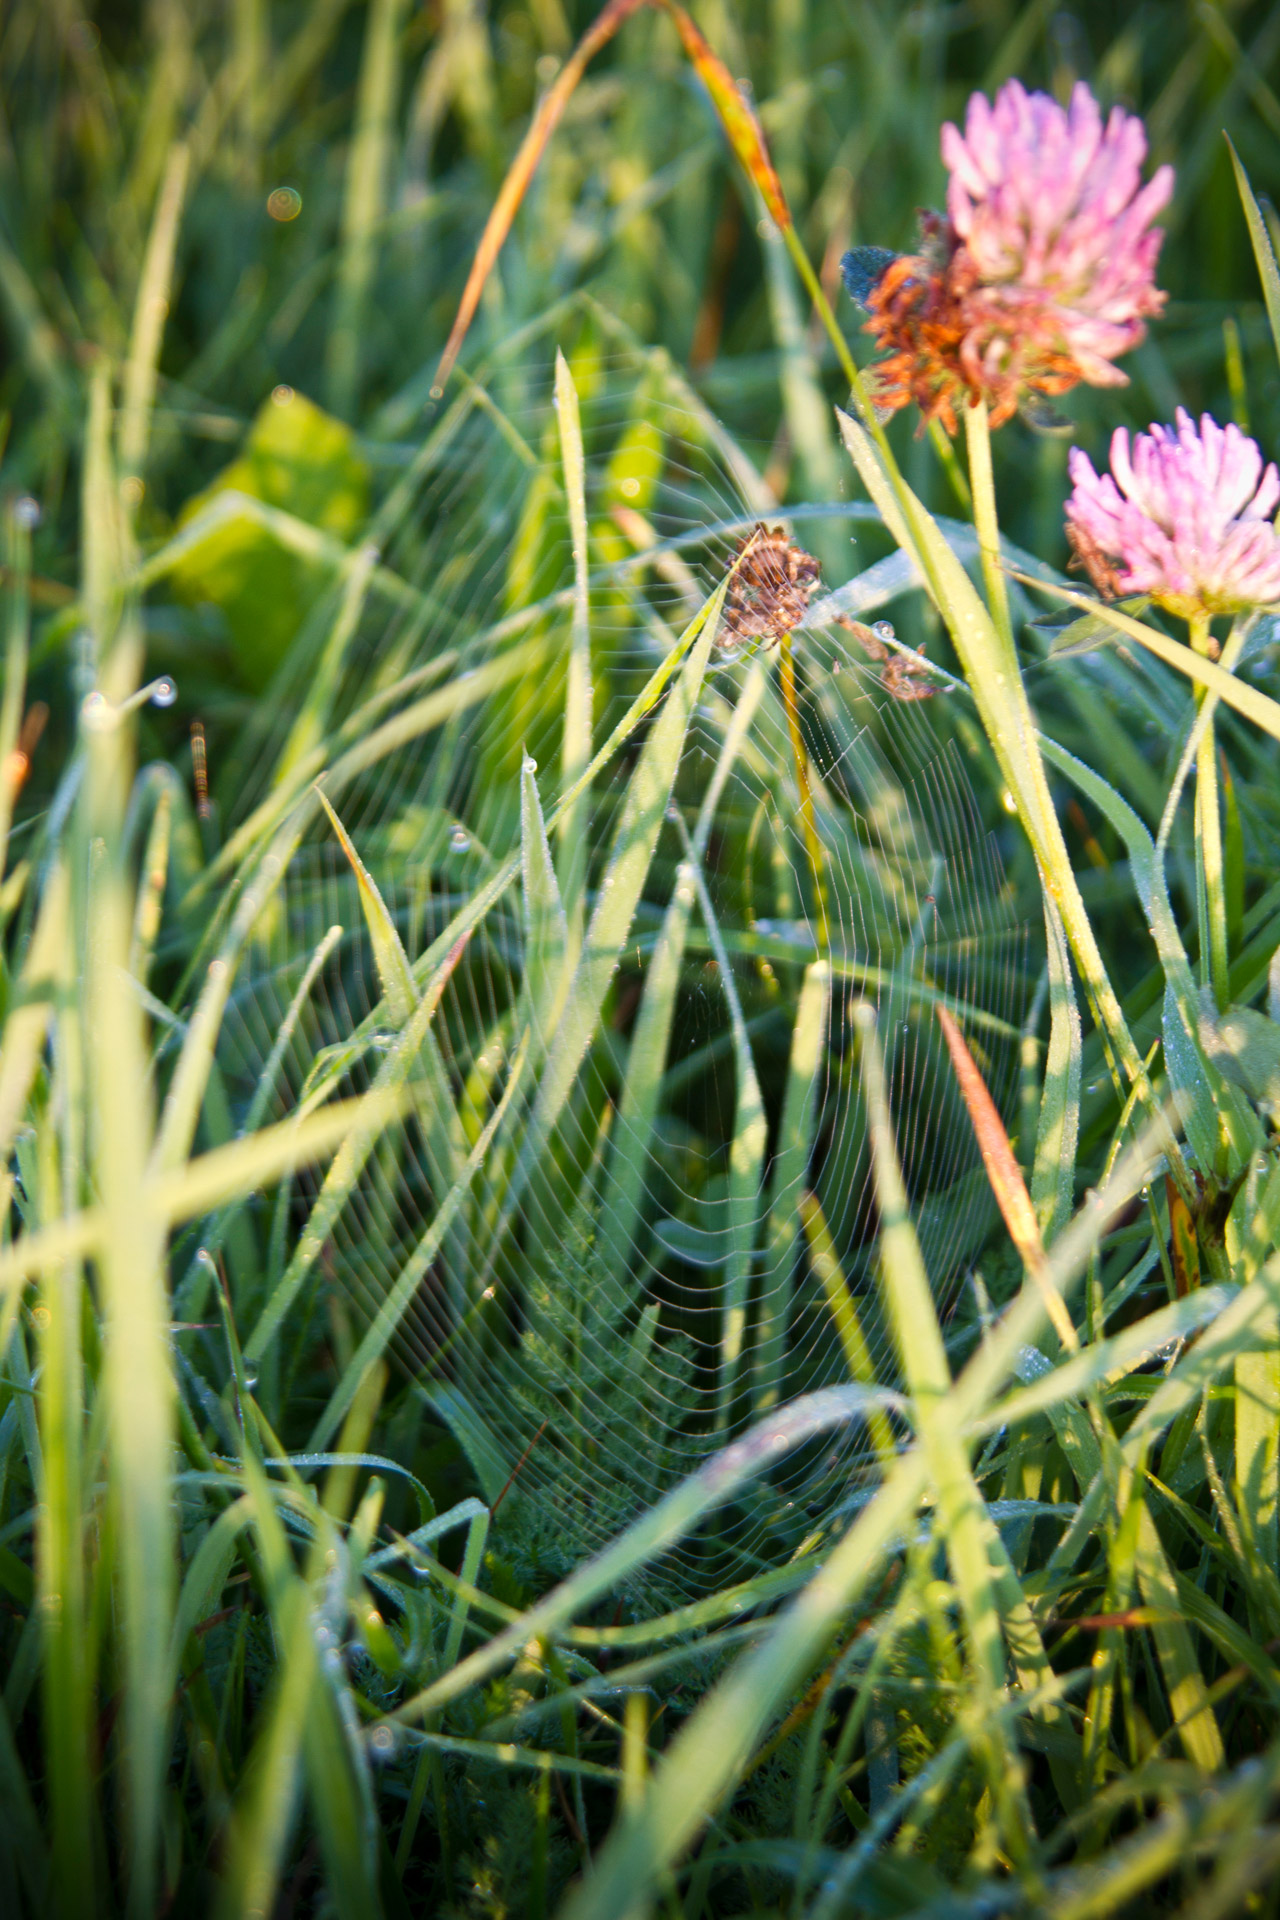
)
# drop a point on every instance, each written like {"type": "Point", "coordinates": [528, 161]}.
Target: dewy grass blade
{"type": "Point", "coordinates": [746, 1166]}
{"type": "Point", "coordinates": [139, 1382]}
{"type": "Point", "coordinates": [1005, 1177]}
{"type": "Point", "coordinates": [390, 958]}
{"type": "Point", "coordinates": [789, 1171]}
{"type": "Point", "coordinates": [400, 1295]}
{"type": "Point", "coordinates": [713, 1746]}
{"type": "Point", "coordinates": [1058, 1130]}
{"type": "Point", "coordinates": [212, 1180]}
{"type": "Point", "coordinates": [1258, 707]}
{"type": "Point", "coordinates": [368, 166]}
{"type": "Point", "coordinates": [1197, 1724]}
{"type": "Point", "coordinates": [636, 837]}
{"type": "Point", "coordinates": [151, 308]}
{"type": "Point", "coordinates": [1006, 715]}
{"type": "Point", "coordinates": [632, 1133]}
{"type": "Point", "coordinates": [844, 1314]}
{"type": "Point", "coordinates": [922, 1356]}
{"type": "Point", "coordinates": [674, 1516]}
{"type": "Point", "coordinates": [1263, 251]}
{"type": "Point", "coordinates": [546, 932]}
{"type": "Point", "coordinates": [17, 629]}
{"type": "Point", "coordinates": [576, 750]}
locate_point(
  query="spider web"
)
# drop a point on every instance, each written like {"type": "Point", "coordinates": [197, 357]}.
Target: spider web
{"type": "Point", "coordinates": [595, 1329]}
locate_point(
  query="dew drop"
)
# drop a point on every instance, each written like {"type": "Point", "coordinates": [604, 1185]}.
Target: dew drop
{"type": "Point", "coordinates": [251, 1378]}
{"type": "Point", "coordinates": [97, 712]}
{"type": "Point", "coordinates": [530, 764]}
{"type": "Point", "coordinates": [673, 813]}
{"type": "Point", "coordinates": [26, 512]}
{"type": "Point", "coordinates": [164, 693]}
{"type": "Point", "coordinates": [459, 840]}
{"type": "Point", "coordinates": [883, 630]}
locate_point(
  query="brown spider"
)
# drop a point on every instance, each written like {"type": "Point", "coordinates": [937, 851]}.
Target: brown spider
{"type": "Point", "coordinates": [900, 676]}
{"type": "Point", "coordinates": [769, 594]}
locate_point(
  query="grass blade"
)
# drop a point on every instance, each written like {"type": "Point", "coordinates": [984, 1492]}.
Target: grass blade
{"type": "Point", "coordinates": [1260, 239]}
{"type": "Point", "coordinates": [576, 751]}
{"type": "Point", "coordinates": [1053, 1176]}
{"type": "Point", "coordinates": [790, 1169]}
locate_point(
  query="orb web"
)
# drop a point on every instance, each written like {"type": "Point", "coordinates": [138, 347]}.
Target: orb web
{"type": "Point", "coordinates": [597, 1320]}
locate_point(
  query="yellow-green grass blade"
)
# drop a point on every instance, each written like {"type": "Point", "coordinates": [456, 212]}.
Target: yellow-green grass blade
{"type": "Point", "coordinates": [640, 822]}
{"type": "Point", "coordinates": [712, 1748]}
{"type": "Point", "coordinates": [1058, 1129]}
{"type": "Point", "coordinates": [151, 885]}
{"type": "Point", "coordinates": [137, 1372]}
{"type": "Point", "coordinates": [1195, 1719]}
{"type": "Point", "coordinates": [746, 1167]}
{"type": "Point", "coordinates": [307, 734]}
{"type": "Point", "coordinates": [790, 1167]}
{"type": "Point", "coordinates": [546, 930]}
{"type": "Point", "coordinates": [400, 1296]}
{"type": "Point", "coordinates": [642, 1087]}
{"type": "Point", "coordinates": [31, 1007]}
{"type": "Point", "coordinates": [1002, 705]}
{"type": "Point", "coordinates": [266, 1801]}
{"type": "Point", "coordinates": [352, 1156]}
{"type": "Point", "coordinates": [150, 310]}
{"type": "Point", "coordinates": [211, 1180]}
{"type": "Point", "coordinates": [674, 1516]}
{"type": "Point", "coordinates": [368, 167]}
{"type": "Point", "coordinates": [390, 958]}
{"type": "Point", "coordinates": [60, 1545]}
{"type": "Point", "coordinates": [576, 749]}
{"type": "Point", "coordinates": [17, 633]}
{"type": "Point", "coordinates": [1246, 700]}
{"type": "Point", "coordinates": [433, 1095]}
{"type": "Point", "coordinates": [825, 1261]}
{"type": "Point", "coordinates": [922, 1356]}
{"type": "Point", "coordinates": [1260, 239]}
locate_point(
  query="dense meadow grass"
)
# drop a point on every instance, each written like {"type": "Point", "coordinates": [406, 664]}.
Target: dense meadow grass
{"type": "Point", "coordinates": [640, 1250]}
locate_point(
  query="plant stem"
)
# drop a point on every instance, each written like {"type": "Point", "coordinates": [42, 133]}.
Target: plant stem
{"type": "Point", "coordinates": [986, 523]}
{"type": "Point", "coordinates": [1212, 890]}
{"type": "Point", "coordinates": [1006, 715]}
{"type": "Point", "coordinates": [813, 846]}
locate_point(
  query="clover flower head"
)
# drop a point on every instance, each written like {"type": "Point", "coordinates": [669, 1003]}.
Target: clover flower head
{"type": "Point", "coordinates": [1184, 515]}
{"type": "Point", "coordinates": [1043, 271]}
{"type": "Point", "coordinates": [1048, 204]}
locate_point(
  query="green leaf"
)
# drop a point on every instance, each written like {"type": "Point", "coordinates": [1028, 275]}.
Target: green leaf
{"type": "Point", "coordinates": [297, 458]}
{"type": "Point", "coordinates": [1244, 1045]}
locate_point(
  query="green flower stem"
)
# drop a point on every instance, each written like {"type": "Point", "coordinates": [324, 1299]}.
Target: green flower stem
{"type": "Point", "coordinates": [1006, 715]}
{"type": "Point", "coordinates": [977, 428]}
{"type": "Point", "coordinates": [1212, 890]}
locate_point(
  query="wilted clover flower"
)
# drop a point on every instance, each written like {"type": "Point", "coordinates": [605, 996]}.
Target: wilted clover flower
{"type": "Point", "coordinates": [1184, 516]}
{"type": "Point", "coordinates": [1044, 270]}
